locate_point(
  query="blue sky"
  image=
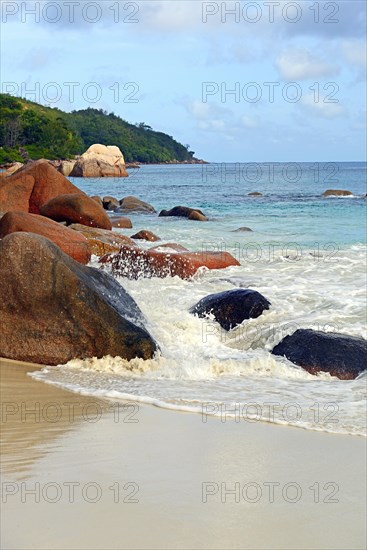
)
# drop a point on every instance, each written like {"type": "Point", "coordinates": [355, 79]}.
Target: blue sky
{"type": "Point", "coordinates": [237, 81]}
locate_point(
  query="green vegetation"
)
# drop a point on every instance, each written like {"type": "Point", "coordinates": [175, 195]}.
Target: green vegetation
{"type": "Point", "coordinates": [30, 130]}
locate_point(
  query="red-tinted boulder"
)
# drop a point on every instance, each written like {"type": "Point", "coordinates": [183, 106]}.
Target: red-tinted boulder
{"type": "Point", "coordinates": [173, 247]}
{"type": "Point", "coordinates": [102, 241]}
{"type": "Point", "coordinates": [145, 235]}
{"type": "Point", "coordinates": [15, 192]}
{"type": "Point", "coordinates": [76, 208]}
{"type": "Point", "coordinates": [49, 183]}
{"type": "Point", "coordinates": [135, 263]}
{"type": "Point", "coordinates": [121, 222]}
{"type": "Point", "coordinates": [72, 243]}
{"type": "Point", "coordinates": [53, 309]}
{"type": "Point", "coordinates": [97, 199]}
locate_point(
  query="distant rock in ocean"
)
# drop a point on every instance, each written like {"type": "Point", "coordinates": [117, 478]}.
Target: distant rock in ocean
{"type": "Point", "coordinates": [241, 230]}
{"type": "Point", "coordinates": [133, 204]}
{"type": "Point", "coordinates": [100, 161]}
{"type": "Point", "coordinates": [145, 236]}
{"type": "Point", "coordinates": [185, 212]}
{"type": "Point", "coordinates": [337, 193]}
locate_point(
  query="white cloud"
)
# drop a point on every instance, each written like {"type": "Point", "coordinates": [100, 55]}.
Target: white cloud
{"type": "Point", "coordinates": [322, 108]}
{"type": "Point", "coordinates": [355, 53]}
{"type": "Point", "coordinates": [300, 64]}
{"type": "Point", "coordinates": [170, 17]}
{"type": "Point", "coordinates": [251, 122]}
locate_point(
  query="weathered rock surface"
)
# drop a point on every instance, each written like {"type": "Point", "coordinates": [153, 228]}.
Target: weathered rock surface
{"type": "Point", "coordinates": [66, 167]}
{"type": "Point", "coordinates": [315, 351]}
{"type": "Point", "coordinates": [53, 309]}
{"type": "Point", "coordinates": [97, 199]}
{"type": "Point", "coordinates": [110, 203]}
{"type": "Point", "coordinates": [170, 247]}
{"type": "Point", "coordinates": [76, 208]}
{"type": "Point", "coordinates": [232, 307]}
{"type": "Point", "coordinates": [72, 243]}
{"type": "Point", "coordinates": [133, 204]}
{"type": "Point", "coordinates": [241, 230]}
{"type": "Point", "coordinates": [185, 212]}
{"type": "Point", "coordinates": [100, 161]}
{"type": "Point", "coordinates": [121, 222]}
{"type": "Point", "coordinates": [102, 241]}
{"type": "Point", "coordinates": [135, 263]}
{"type": "Point", "coordinates": [15, 192]}
{"type": "Point", "coordinates": [48, 183]}
{"type": "Point", "coordinates": [13, 167]}
{"type": "Point", "coordinates": [336, 193]}
{"type": "Point", "coordinates": [145, 236]}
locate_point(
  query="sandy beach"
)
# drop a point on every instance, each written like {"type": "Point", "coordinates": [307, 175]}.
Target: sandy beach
{"type": "Point", "coordinates": [87, 473]}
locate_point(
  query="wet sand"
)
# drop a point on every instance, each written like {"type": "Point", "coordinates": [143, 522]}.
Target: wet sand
{"type": "Point", "coordinates": [80, 472]}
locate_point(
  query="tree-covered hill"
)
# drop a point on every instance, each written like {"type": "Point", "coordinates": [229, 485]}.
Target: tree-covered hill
{"type": "Point", "coordinates": [30, 130]}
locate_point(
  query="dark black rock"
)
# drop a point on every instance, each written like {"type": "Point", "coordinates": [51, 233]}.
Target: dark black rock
{"type": "Point", "coordinates": [182, 212]}
{"type": "Point", "coordinates": [230, 308]}
{"type": "Point", "coordinates": [340, 355]}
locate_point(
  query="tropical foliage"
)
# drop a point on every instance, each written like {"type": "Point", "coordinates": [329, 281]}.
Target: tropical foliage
{"type": "Point", "coordinates": [30, 130]}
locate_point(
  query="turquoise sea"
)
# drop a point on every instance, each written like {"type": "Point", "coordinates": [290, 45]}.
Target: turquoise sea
{"type": "Point", "coordinates": [305, 253]}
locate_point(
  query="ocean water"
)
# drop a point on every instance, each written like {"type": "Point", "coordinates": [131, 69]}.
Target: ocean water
{"type": "Point", "coordinates": [305, 253]}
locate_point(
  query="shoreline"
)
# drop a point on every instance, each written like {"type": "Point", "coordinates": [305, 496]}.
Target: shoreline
{"type": "Point", "coordinates": [156, 488]}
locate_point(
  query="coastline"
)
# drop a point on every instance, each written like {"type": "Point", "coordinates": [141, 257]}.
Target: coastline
{"type": "Point", "coordinates": [161, 459]}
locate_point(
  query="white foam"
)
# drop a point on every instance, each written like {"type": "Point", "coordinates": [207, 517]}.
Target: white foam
{"type": "Point", "coordinates": [199, 362]}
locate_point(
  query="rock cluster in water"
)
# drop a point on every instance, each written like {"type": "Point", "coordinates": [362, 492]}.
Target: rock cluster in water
{"type": "Point", "coordinates": [54, 308]}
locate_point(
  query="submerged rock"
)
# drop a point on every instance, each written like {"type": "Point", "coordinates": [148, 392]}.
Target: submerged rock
{"type": "Point", "coordinates": [185, 212]}
{"type": "Point", "coordinates": [72, 243]}
{"type": "Point", "coordinates": [232, 307]}
{"type": "Point", "coordinates": [54, 309]}
{"type": "Point", "coordinates": [76, 208]}
{"type": "Point", "coordinates": [338, 354]}
{"type": "Point", "coordinates": [145, 236]}
{"type": "Point", "coordinates": [241, 230]}
{"type": "Point", "coordinates": [336, 193]}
